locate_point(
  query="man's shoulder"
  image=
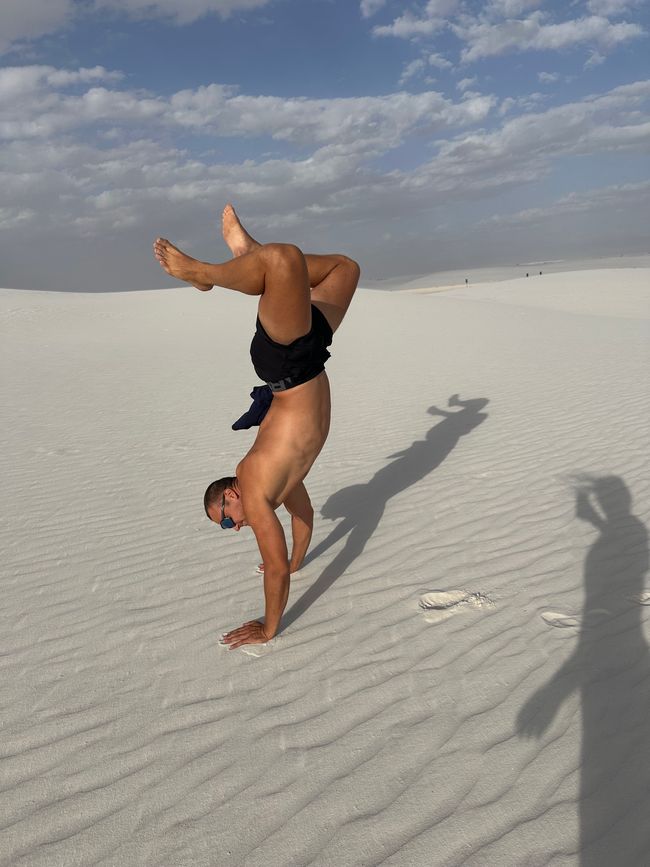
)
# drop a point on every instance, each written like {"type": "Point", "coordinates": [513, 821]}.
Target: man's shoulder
{"type": "Point", "coordinates": [250, 469]}
{"type": "Point", "coordinates": [252, 475]}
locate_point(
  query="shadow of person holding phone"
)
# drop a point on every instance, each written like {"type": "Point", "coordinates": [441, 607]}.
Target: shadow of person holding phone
{"type": "Point", "coordinates": [611, 670]}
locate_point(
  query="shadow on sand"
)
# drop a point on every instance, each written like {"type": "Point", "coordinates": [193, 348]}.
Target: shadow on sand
{"type": "Point", "coordinates": [611, 668]}
{"type": "Point", "coordinates": [362, 506]}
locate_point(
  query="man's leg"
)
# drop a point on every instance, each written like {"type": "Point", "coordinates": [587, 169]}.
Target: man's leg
{"type": "Point", "coordinates": [277, 272]}
{"type": "Point", "coordinates": [334, 280]}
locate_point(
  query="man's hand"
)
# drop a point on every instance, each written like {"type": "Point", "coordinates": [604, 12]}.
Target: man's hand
{"type": "Point", "coordinates": [251, 632]}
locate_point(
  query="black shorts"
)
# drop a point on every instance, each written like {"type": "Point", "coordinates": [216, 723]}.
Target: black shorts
{"type": "Point", "coordinates": [283, 367]}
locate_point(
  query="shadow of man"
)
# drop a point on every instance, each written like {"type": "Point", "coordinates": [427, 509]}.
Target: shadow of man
{"type": "Point", "coordinates": [611, 668]}
{"type": "Point", "coordinates": [362, 506]}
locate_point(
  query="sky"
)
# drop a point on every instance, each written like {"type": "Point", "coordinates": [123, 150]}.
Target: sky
{"type": "Point", "coordinates": [414, 137]}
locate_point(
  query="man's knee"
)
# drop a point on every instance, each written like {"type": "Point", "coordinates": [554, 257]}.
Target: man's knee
{"type": "Point", "coordinates": [352, 267]}
{"type": "Point", "coordinates": [283, 255]}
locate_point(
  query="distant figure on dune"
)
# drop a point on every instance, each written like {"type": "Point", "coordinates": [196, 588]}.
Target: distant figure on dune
{"type": "Point", "coordinates": [303, 299]}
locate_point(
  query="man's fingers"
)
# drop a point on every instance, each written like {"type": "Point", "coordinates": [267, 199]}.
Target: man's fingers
{"type": "Point", "coordinates": [246, 630]}
{"type": "Point", "coordinates": [241, 639]}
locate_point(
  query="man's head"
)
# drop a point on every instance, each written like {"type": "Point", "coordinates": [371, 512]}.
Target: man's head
{"type": "Point", "coordinates": [222, 500]}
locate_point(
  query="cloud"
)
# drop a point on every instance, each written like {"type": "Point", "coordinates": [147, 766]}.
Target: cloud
{"type": "Point", "coordinates": [34, 107]}
{"type": "Point", "coordinates": [522, 151]}
{"type": "Point", "coordinates": [528, 102]}
{"type": "Point", "coordinates": [439, 61]}
{"type": "Point", "coordinates": [107, 188]}
{"type": "Point", "coordinates": [415, 67]}
{"type": "Point", "coordinates": [548, 77]}
{"type": "Point", "coordinates": [612, 8]}
{"type": "Point", "coordinates": [465, 83]}
{"type": "Point", "coordinates": [517, 26]}
{"type": "Point", "coordinates": [22, 20]}
{"type": "Point", "coordinates": [116, 183]}
{"type": "Point", "coordinates": [106, 159]}
{"type": "Point", "coordinates": [610, 198]}
{"type": "Point", "coordinates": [408, 26]}
{"type": "Point", "coordinates": [485, 39]}
{"type": "Point", "coordinates": [29, 19]}
{"type": "Point", "coordinates": [419, 65]}
{"type": "Point", "coordinates": [370, 7]}
{"type": "Point", "coordinates": [179, 11]}
{"type": "Point", "coordinates": [510, 8]}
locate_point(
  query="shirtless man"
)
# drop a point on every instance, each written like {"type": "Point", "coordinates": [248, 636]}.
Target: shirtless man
{"type": "Point", "coordinates": [303, 299]}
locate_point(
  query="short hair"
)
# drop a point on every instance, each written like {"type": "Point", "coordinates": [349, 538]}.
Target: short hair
{"type": "Point", "coordinates": [214, 492]}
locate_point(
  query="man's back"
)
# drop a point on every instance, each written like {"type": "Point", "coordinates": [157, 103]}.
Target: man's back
{"type": "Point", "coordinates": [288, 442]}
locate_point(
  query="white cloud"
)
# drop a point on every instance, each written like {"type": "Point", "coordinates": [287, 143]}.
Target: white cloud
{"type": "Point", "coordinates": [548, 77]}
{"type": "Point", "coordinates": [22, 20]}
{"type": "Point", "coordinates": [133, 182]}
{"type": "Point", "coordinates": [19, 84]}
{"type": "Point", "coordinates": [421, 64]}
{"type": "Point", "coordinates": [29, 19]}
{"type": "Point", "coordinates": [523, 148]}
{"type": "Point", "coordinates": [485, 39]}
{"type": "Point", "coordinates": [370, 7]}
{"type": "Point", "coordinates": [377, 122]}
{"type": "Point", "coordinates": [106, 185]}
{"type": "Point", "coordinates": [408, 26]}
{"type": "Point", "coordinates": [529, 102]}
{"type": "Point", "coordinates": [510, 8]}
{"type": "Point", "coordinates": [509, 26]}
{"type": "Point", "coordinates": [611, 198]}
{"type": "Point", "coordinates": [595, 59]}
{"type": "Point", "coordinates": [10, 218]}
{"type": "Point", "coordinates": [465, 83]}
{"type": "Point", "coordinates": [439, 61]}
{"type": "Point", "coordinates": [34, 107]}
{"type": "Point", "coordinates": [179, 11]}
{"type": "Point", "coordinates": [415, 67]}
{"type": "Point", "coordinates": [612, 8]}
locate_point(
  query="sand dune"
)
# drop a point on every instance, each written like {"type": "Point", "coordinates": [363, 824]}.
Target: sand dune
{"type": "Point", "coordinates": [490, 441]}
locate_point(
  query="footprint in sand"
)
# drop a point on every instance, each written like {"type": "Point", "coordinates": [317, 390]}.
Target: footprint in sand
{"type": "Point", "coordinates": [564, 621]}
{"type": "Point", "coordinates": [438, 605]}
{"type": "Point", "coordinates": [575, 621]}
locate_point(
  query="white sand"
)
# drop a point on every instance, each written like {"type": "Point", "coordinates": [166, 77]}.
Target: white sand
{"type": "Point", "coordinates": [366, 735]}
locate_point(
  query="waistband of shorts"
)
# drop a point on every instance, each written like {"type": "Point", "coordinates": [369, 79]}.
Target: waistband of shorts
{"type": "Point", "coordinates": [292, 381]}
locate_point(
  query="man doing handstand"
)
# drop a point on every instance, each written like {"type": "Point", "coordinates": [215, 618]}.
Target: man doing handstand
{"type": "Point", "coordinates": [303, 299]}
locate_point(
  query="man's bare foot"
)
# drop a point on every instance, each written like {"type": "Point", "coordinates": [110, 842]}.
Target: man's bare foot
{"type": "Point", "coordinates": [234, 234]}
{"type": "Point", "coordinates": [178, 264]}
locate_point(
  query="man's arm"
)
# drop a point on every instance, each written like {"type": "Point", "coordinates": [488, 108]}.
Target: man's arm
{"type": "Point", "coordinates": [299, 507]}
{"type": "Point", "coordinates": [268, 531]}
{"type": "Point", "coordinates": [273, 548]}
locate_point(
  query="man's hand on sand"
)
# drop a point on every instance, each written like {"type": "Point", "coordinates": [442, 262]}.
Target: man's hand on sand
{"type": "Point", "coordinates": [250, 633]}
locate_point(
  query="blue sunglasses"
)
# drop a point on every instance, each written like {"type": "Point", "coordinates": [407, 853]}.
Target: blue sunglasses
{"type": "Point", "coordinates": [225, 523]}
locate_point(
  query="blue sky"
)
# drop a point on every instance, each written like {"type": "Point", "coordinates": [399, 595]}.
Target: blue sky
{"type": "Point", "coordinates": [413, 136]}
